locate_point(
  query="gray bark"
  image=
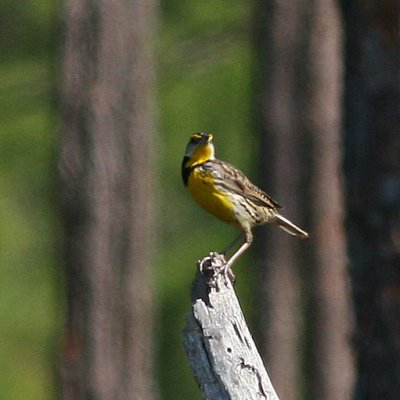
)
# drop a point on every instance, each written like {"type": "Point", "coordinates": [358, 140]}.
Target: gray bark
{"type": "Point", "coordinates": [219, 345]}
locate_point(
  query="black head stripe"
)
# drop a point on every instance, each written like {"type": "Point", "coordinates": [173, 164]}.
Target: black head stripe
{"type": "Point", "coordinates": [186, 171]}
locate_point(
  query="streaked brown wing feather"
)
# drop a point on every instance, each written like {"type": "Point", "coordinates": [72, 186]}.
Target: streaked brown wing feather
{"type": "Point", "coordinates": [236, 181]}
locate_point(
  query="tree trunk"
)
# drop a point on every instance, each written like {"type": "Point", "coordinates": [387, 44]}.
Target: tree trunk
{"type": "Point", "coordinates": [107, 167]}
{"type": "Point", "coordinates": [304, 295]}
{"type": "Point", "coordinates": [372, 168]}
{"type": "Point", "coordinates": [279, 34]}
{"type": "Point", "coordinates": [330, 310]}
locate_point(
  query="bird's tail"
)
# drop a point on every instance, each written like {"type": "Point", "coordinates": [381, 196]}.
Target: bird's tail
{"type": "Point", "coordinates": [290, 227]}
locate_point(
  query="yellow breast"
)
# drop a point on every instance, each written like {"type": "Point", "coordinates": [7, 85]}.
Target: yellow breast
{"type": "Point", "coordinates": [202, 188]}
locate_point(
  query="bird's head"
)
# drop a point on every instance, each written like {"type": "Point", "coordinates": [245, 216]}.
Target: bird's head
{"type": "Point", "coordinates": [199, 149]}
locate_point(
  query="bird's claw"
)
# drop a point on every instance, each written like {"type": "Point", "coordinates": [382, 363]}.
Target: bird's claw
{"type": "Point", "coordinates": [215, 265]}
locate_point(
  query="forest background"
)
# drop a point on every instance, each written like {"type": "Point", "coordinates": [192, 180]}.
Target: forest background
{"type": "Point", "coordinates": [305, 100]}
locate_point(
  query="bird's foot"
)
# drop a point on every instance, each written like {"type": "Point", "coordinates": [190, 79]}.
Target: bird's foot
{"type": "Point", "coordinates": [213, 266]}
{"type": "Point", "coordinates": [227, 272]}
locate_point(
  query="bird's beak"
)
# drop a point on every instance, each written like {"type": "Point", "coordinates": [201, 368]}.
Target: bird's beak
{"type": "Point", "coordinates": [209, 138]}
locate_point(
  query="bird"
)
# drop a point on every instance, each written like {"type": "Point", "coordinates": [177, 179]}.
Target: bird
{"type": "Point", "coordinates": [227, 193]}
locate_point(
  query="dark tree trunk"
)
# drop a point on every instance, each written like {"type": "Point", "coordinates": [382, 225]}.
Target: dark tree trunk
{"type": "Point", "coordinates": [304, 295]}
{"type": "Point", "coordinates": [107, 166]}
{"type": "Point", "coordinates": [372, 167]}
{"type": "Point", "coordinates": [279, 46]}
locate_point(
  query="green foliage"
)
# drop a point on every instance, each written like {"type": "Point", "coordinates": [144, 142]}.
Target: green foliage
{"type": "Point", "coordinates": [28, 289]}
{"type": "Point", "coordinates": [27, 276]}
{"type": "Point", "coordinates": [205, 86]}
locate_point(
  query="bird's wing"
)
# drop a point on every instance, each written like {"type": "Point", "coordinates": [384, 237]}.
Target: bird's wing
{"type": "Point", "coordinates": [234, 180]}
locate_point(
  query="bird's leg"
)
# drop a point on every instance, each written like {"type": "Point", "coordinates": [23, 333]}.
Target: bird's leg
{"type": "Point", "coordinates": [247, 242]}
{"type": "Point", "coordinates": [227, 271]}
{"type": "Point", "coordinates": [233, 243]}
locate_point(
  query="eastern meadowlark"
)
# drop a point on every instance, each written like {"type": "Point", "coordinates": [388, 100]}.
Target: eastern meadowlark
{"type": "Point", "coordinates": [224, 191]}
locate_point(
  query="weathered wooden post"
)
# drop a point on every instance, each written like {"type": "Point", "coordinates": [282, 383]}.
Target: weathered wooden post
{"type": "Point", "coordinates": [219, 345]}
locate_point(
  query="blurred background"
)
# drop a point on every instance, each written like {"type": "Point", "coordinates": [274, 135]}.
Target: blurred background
{"type": "Point", "coordinates": [99, 239]}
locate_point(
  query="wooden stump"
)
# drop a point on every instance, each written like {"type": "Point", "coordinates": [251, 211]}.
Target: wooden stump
{"type": "Point", "coordinates": [219, 345]}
